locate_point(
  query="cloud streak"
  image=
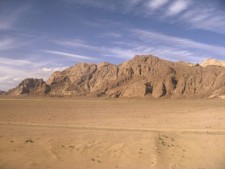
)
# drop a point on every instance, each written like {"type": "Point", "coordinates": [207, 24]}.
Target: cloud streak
{"type": "Point", "coordinates": [193, 14]}
{"type": "Point", "coordinates": [9, 18]}
{"type": "Point", "coordinates": [14, 62]}
{"type": "Point", "coordinates": [178, 42]}
{"type": "Point", "coordinates": [49, 69]}
{"type": "Point", "coordinates": [209, 19]}
{"type": "Point", "coordinates": [71, 55]}
{"type": "Point", "coordinates": [149, 42]}
{"type": "Point", "coordinates": [13, 42]}
{"type": "Point", "coordinates": [6, 44]}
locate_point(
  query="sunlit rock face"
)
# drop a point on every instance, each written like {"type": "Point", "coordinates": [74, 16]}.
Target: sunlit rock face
{"type": "Point", "coordinates": [210, 62]}
{"type": "Point", "coordinates": [139, 77]}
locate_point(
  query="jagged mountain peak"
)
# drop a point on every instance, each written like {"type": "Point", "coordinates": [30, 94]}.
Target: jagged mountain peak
{"type": "Point", "coordinates": [145, 75]}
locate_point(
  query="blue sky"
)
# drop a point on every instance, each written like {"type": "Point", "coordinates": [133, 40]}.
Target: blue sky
{"type": "Point", "coordinates": [38, 37]}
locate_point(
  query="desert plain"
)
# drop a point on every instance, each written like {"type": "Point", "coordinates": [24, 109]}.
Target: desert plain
{"type": "Point", "coordinates": [102, 133]}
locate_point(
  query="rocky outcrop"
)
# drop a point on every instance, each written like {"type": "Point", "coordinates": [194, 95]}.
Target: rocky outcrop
{"type": "Point", "coordinates": [209, 62]}
{"type": "Point", "coordinates": [2, 92]}
{"type": "Point", "coordinates": [30, 86]}
{"type": "Point", "coordinates": [139, 77]}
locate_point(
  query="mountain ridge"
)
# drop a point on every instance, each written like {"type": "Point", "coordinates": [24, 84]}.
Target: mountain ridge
{"type": "Point", "coordinates": [144, 75]}
{"type": "Point", "coordinates": [209, 62]}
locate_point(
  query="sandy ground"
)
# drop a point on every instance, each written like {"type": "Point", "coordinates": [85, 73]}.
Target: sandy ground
{"type": "Point", "coordinates": [79, 133]}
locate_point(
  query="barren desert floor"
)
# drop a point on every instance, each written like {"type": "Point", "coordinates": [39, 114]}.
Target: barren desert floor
{"type": "Point", "coordinates": [90, 133]}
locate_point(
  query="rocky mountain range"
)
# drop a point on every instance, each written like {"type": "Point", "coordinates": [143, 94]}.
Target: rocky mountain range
{"type": "Point", "coordinates": [142, 76]}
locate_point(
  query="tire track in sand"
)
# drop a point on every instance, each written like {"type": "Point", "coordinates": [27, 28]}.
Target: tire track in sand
{"type": "Point", "coordinates": [182, 131]}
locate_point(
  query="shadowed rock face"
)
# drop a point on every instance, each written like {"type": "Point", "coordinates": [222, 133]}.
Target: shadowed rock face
{"type": "Point", "coordinates": [2, 92]}
{"type": "Point", "coordinates": [141, 76]}
{"type": "Point", "coordinates": [30, 86]}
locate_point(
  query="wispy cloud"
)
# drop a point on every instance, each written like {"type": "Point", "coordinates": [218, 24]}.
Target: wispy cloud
{"type": "Point", "coordinates": [75, 43]}
{"type": "Point", "coordinates": [177, 7]}
{"type": "Point", "coordinates": [148, 36]}
{"type": "Point", "coordinates": [111, 35]}
{"type": "Point", "coordinates": [10, 42]}
{"type": "Point", "coordinates": [210, 19]}
{"type": "Point", "coordinates": [111, 51]}
{"type": "Point", "coordinates": [195, 15]}
{"type": "Point", "coordinates": [71, 55]}
{"type": "Point", "coordinates": [103, 23]}
{"type": "Point", "coordinates": [7, 22]}
{"type": "Point", "coordinates": [52, 69]}
{"type": "Point", "coordinates": [14, 62]}
{"type": "Point", "coordinates": [2, 79]}
{"type": "Point", "coordinates": [149, 42]}
{"type": "Point", "coordinates": [192, 14]}
{"type": "Point", "coordinates": [13, 71]}
{"type": "Point", "coordinates": [123, 50]}
{"type": "Point", "coordinates": [12, 76]}
{"type": "Point", "coordinates": [9, 18]}
{"type": "Point", "coordinates": [6, 43]}
{"type": "Point", "coordinates": [156, 4]}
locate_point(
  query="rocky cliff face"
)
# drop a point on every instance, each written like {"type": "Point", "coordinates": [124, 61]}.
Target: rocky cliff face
{"type": "Point", "coordinates": [141, 76]}
{"type": "Point", "coordinates": [30, 86]}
